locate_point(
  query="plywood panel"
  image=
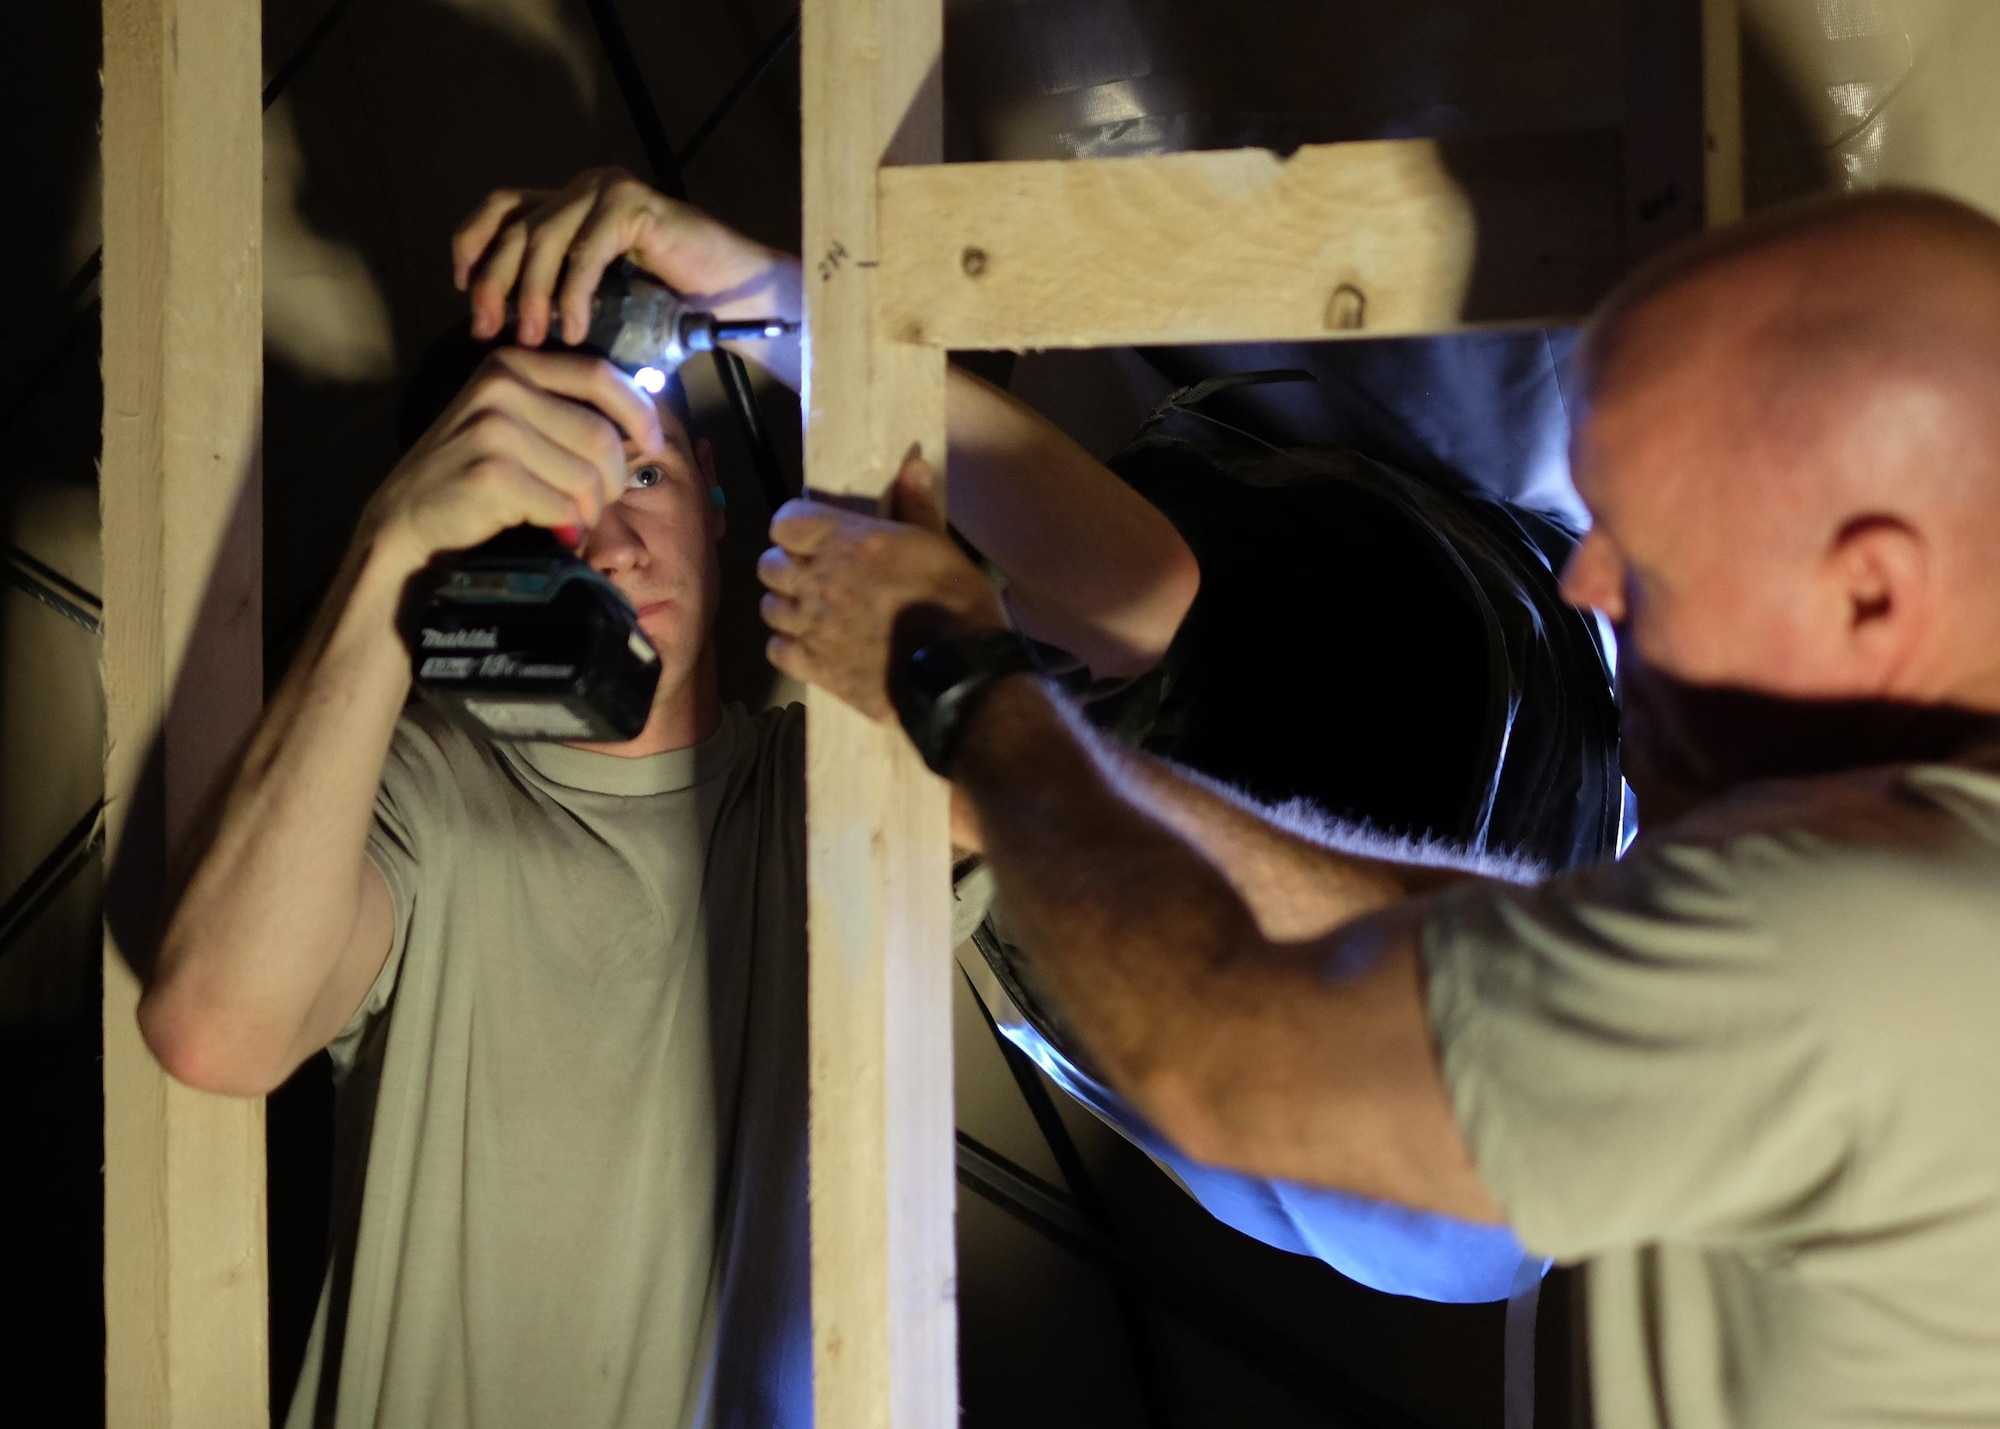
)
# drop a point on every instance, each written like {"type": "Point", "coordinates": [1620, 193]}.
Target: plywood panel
{"type": "Point", "coordinates": [184, 1172]}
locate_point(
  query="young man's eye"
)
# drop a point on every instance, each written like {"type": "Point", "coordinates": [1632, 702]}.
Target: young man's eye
{"type": "Point", "coordinates": [641, 477]}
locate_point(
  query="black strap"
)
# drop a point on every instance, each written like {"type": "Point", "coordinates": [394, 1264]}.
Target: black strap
{"type": "Point", "coordinates": [944, 679]}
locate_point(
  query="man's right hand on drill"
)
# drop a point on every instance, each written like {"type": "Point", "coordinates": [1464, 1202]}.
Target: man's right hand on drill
{"type": "Point", "coordinates": [537, 438]}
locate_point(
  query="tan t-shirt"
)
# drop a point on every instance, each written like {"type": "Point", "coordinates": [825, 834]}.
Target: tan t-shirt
{"type": "Point", "coordinates": [1751, 1074]}
{"type": "Point", "coordinates": [571, 1129]}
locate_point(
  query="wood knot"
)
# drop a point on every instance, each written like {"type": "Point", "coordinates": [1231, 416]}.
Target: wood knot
{"type": "Point", "coordinates": [1347, 310]}
{"type": "Point", "coordinates": [973, 261]}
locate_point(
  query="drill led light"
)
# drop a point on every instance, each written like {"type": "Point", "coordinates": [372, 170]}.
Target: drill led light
{"type": "Point", "coordinates": [651, 379]}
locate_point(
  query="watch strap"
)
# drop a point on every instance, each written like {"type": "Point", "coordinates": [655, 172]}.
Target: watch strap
{"type": "Point", "coordinates": [944, 679]}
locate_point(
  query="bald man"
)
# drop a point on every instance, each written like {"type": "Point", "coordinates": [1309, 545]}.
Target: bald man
{"type": "Point", "coordinates": [1749, 1074]}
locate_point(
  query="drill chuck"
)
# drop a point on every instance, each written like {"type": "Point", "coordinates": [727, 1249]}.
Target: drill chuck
{"type": "Point", "coordinates": [639, 323]}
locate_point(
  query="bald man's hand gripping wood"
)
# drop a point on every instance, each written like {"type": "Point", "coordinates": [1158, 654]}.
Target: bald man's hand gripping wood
{"type": "Point", "coordinates": [1256, 994]}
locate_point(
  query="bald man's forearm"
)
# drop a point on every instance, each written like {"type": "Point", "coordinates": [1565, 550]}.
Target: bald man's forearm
{"type": "Point", "coordinates": [1307, 1058]}
{"type": "Point", "coordinates": [1123, 920]}
{"type": "Point", "coordinates": [1298, 887]}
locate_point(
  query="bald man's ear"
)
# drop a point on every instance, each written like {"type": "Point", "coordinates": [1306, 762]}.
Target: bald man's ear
{"type": "Point", "coordinates": [1882, 566]}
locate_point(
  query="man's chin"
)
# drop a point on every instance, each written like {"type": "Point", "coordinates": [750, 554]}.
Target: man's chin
{"type": "Point", "coordinates": [677, 640]}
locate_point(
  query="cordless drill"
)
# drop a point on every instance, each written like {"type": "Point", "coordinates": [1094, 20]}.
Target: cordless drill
{"type": "Point", "coordinates": [517, 638]}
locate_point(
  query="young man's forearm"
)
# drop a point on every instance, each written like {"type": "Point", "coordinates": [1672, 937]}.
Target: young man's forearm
{"type": "Point", "coordinates": [250, 977]}
{"type": "Point", "coordinates": [1092, 566]}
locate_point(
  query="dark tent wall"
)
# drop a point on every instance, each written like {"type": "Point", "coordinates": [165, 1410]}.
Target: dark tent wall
{"type": "Point", "coordinates": [51, 728]}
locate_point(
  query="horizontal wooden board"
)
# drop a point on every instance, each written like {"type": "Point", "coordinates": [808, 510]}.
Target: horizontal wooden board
{"type": "Point", "coordinates": [1366, 239]}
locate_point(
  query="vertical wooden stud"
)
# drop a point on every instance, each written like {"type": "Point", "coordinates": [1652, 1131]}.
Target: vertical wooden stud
{"type": "Point", "coordinates": [884, 1293]}
{"type": "Point", "coordinates": [1665, 149]}
{"type": "Point", "coordinates": [1722, 108]}
{"type": "Point", "coordinates": [185, 1286]}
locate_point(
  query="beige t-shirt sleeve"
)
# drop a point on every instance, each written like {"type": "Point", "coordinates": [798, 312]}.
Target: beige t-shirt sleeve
{"type": "Point", "coordinates": [414, 777]}
{"type": "Point", "coordinates": [1634, 1056]}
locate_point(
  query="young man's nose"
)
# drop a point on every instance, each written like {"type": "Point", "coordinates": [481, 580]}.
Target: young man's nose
{"type": "Point", "coordinates": [613, 546]}
{"type": "Point", "coordinates": [1593, 580]}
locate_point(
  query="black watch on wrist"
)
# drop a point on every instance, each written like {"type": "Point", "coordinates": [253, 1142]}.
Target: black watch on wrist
{"type": "Point", "coordinates": [939, 684]}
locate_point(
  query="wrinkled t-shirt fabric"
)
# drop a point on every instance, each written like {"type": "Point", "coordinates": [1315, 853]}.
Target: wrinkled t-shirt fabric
{"type": "Point", "coordinates": [570, 1130]}
{"type": "Point", "coordinates": [1748, 1075]}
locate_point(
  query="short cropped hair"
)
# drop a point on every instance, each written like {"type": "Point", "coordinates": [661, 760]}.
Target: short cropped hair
{"type": "Point", "coordinates": [448, 364]}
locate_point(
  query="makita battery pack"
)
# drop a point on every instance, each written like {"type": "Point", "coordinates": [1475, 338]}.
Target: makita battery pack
{"type": "Point", "coordinates": [517, 639]}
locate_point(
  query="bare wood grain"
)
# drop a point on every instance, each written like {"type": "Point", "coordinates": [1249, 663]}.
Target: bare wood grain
{"type": "Point", "coordinates": [184, 1233]}
{"type": "Point", "coordinates": [1661, 150]}
{"type": "Point", "coordinates": [884, 1308]}
{"type": "Point", "coordinates": [1722, 108]}
{"type": "Point", "coordinates": [1340, 240]}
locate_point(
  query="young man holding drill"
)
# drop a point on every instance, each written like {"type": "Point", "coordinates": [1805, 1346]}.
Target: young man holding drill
{"type": "Point", "coordinates": [564, 985]}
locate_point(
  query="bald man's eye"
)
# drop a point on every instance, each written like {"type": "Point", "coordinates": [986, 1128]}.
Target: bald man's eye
{"type": "Point", "coordinates": [642, 477]}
